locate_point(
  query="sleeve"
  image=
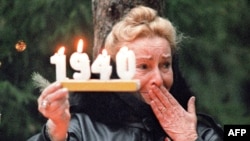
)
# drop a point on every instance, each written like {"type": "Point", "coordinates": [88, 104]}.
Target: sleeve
{"type": "Point", "coordinates": [73, 134]}
{"type": "Point", "coordinates": [208, 129]}
{"type": "Point", "coordinates": [40, 136]}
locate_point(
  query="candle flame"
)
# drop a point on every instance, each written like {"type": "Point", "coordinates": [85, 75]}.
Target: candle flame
{"type": "Point", "coordinates": [80, 45]}
{"type": "Point", "coordinates": [104, 52]}
{"type": "Point", "coordinates": [61, 50]}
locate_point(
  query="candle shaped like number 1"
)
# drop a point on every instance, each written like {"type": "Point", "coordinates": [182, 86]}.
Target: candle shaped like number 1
{"type": "Point", "coordinates": [80, 61]}
{"type": "Point", "coordinates": [59, 59]}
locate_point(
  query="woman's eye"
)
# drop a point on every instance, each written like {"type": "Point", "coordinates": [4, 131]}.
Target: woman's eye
{"type": "Point", "coordinates": [143, 66]}
{"type": "Point", "coordinates": [166, 65]}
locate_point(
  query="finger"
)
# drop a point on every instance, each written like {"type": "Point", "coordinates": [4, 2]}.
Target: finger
{"type": "Point", "coordinates": [57, 95]}
{"type": "Point", "coordinates": [50, 89]}
{"type": "Point", "coordinates": [169, 96]}
{"type": "Point", "coordinates": [156, 110]}
{"type": "Point", "coordinates": [191, 105]}
{"type": "Point", "coordinates": [59, 103]}
{"type": "Point", "coordinates": [67, 112]}
{"type": "Point", "coordinates": [56, 110]}
{"type": "Point", "coordinates": [158, 95]}
{"type": "Point", "coordinates": [157, 104]}
{"type": "Point", "coordinates": [62, 114]}
{"type": "Point", "coordinates": [161, 95]}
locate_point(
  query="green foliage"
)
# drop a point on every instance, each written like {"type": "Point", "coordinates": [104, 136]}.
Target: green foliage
{"type": "Point", "coordinates": [215, 55]}
{"type": "Point", "coordinates": [44, 26]}
{"type": "Point", "coordinates": [16, 112]}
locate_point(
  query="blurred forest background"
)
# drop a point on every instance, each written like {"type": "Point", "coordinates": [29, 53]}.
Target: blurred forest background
{"type": "Point", "coordinates": [214, 56]}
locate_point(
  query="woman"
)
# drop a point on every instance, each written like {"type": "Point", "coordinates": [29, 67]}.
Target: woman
{"type": "Point", "coordinates": [159, 111]}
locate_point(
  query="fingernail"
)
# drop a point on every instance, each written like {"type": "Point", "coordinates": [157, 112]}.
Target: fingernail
{"type": "Point", "coordinates": [64, 89]}
{"type": "Point", "coordinates": [152, 102]}
{"type": "Point", "coordinates": [194, 98]}
{"type": "Point", "coordinates": [152, 86]}
{"type": "Point", "coordinates": [57, 84]}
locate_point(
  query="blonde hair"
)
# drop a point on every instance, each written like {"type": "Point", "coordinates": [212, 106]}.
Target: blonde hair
{"type": "Point", "coordinates": [141, 21]}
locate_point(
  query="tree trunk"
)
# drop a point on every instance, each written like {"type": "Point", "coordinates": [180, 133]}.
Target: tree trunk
{"type": "Point", "coordinates": [108, 12]}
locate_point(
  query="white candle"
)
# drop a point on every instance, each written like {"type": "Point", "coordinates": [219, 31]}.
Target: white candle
{"type": "Point", "coordinates": [125, 63]}
{"type": "Point", "coordinates": [80, 62]}
{"type": "Point", "coordinates": [102, 65]}
{"type": "Point", "coordinates": [59, 59]}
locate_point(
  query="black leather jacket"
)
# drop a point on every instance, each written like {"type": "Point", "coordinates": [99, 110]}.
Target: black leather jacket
{"type": "Point", "coordinates": [83, 128]}
{"type": "Point", "coordinates": [109, 118]}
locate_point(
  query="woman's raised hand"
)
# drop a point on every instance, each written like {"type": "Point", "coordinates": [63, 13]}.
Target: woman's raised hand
{"type": "Point", "coordinates": [178, 123]}
{"type": "Point", "coordinates": [53, 104]}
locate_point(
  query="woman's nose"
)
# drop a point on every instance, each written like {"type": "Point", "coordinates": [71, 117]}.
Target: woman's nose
{"type": "Point", "coordinates": [156, 78]}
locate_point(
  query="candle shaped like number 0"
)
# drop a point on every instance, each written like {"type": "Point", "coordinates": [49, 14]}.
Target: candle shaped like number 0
{"type": "Point", "coordinates": [125, 63]}
{"type": "Point", "coordinates": [80, 61]}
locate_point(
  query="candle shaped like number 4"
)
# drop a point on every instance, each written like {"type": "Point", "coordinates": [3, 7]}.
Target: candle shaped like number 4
{"type": "Point", "coordinates": [80, 61]}
{"type": "Point", "coordinates": [102, 65]}
{"type": "Point", "coordinates": [59, 59]}
{"type": "Point", "coordinates": [125, 63]}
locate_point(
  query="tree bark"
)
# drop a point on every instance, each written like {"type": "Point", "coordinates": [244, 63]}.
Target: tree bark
{"type": "Point", "coordinates": [108, 12]}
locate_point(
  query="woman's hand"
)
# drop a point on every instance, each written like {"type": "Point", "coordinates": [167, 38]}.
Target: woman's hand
{"type": "Point", "coordinates": [53, 103]}
{"type": "Point", "coordinates": [178, 123]}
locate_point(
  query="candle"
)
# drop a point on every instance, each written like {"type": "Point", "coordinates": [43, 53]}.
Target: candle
{"type": "Point", "coordinates": [125, 63]}
{"type": "Point", "coordinates": [102, 65]}
{"type": "Point", "coordinates": [59, 59]}
{"type": "Point", "coordinates": [80, 62]}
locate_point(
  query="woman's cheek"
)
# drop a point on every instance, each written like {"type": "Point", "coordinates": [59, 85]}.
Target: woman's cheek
{"type": "Point", "coordinates": [143, 79]}
{"type": "Point", "coordinates": [168, 80]}
{"type": "Point", "coordinates": [144, 87]}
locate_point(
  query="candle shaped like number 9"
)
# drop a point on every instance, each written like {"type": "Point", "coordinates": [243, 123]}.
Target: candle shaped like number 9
{"type": "Point", "coordinates": [125, 63]}
{"type": "Point", "coordinates": [80, 62]}
{"type": "Point", "coordinates": [59, 59]}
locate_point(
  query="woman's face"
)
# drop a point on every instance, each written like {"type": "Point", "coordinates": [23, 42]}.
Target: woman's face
{"type": "Point", "coordinates": [153, 63]}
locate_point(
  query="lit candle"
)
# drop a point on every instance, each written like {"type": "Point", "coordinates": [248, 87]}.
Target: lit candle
{"type": "Point", "coordinates": [59, 59]}
{"type": "Point", "coordinates": [102, 65]}
{"type": "Point", "coordinates": [80, 62]}
{"type": "Point", "coordinates": [125, 63]}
